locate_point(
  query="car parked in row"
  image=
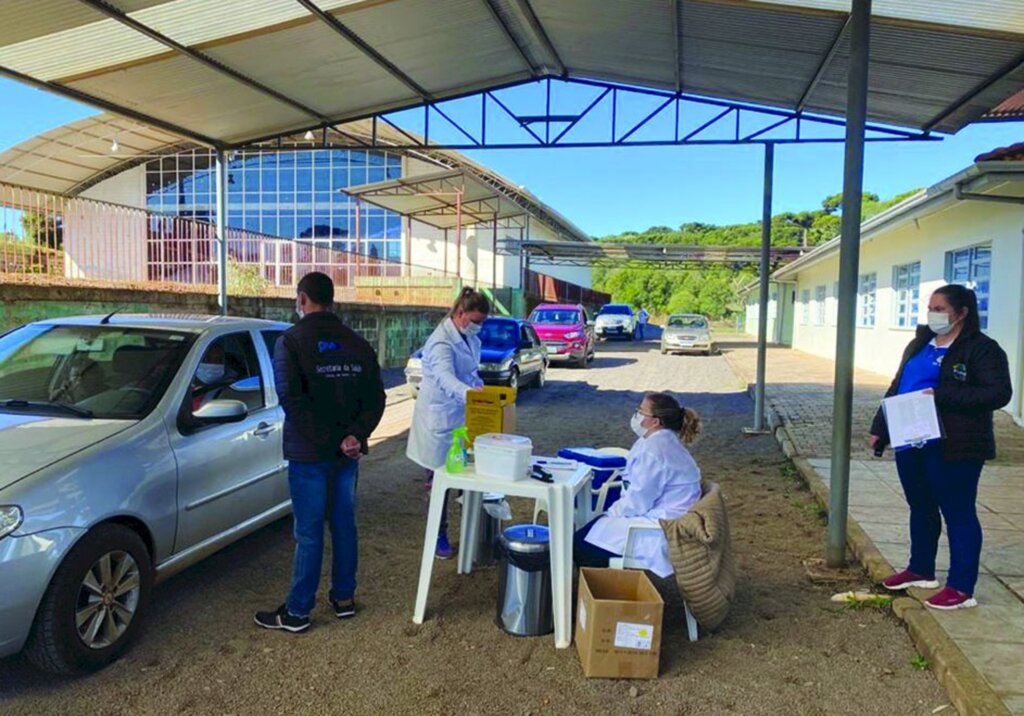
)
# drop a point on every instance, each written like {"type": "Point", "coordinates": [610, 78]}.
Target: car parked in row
{"type": "Point", "coordinates": [616, 320]}
{"type": "Point", "coordinates": [133, 447]}
{"type": "Point", "coordinates": [566, 331]}
{"type": "Point", "coordinates": [687, 333]}
{"type": "Point", "coordinates": [511, 354]}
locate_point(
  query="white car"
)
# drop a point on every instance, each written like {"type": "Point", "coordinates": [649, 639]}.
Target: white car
{"type": "Point", "coordinates": [616, 320]}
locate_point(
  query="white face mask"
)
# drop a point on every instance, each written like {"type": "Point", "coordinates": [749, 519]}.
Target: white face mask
{"type": "Point", "coordinates": [472, 329]}
{"type": "Point", "coordinates": [636, 424]}
{"type": "Point", "coordinates": [210, 372]}
{"type": "Point", "coordinates": [939, 323]}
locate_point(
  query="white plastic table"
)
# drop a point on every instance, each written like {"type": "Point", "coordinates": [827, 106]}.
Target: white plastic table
{"type": "Point", "coordinates": [560, 496]}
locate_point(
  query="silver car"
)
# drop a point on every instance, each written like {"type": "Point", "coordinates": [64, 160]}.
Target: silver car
{"type": "Point", "coordinates": [133, 446]}
{"type": "Point", "coordinates": [687, 333]}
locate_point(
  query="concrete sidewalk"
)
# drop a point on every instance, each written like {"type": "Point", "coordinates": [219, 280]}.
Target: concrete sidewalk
{"type": "Point", "coordinates": [980, 652]}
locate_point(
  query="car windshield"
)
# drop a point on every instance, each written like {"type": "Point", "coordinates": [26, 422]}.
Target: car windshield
{"type": "Point", "coordinates": [615, 310]}
{"type": "Point", "coordinates": [88, 371]}
{"type": "Point", "coordinates": [687, 322]}
{"type": "Point", "coordinates": [557, 316]}
{"type": "Point", "coordinates": [499, 334]}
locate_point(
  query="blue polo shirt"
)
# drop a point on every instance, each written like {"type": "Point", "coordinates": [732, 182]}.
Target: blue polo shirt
{"type": "Point", "coordinates": [922, 371]}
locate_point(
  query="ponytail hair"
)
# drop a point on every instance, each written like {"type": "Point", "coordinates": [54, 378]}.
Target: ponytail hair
{"type": "Point", "coordinates": [682, 421]}
{"type": "Point", "coordinates": [470, 300]}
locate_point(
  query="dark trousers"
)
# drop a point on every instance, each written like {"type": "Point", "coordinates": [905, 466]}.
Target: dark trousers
{"type": "Point", "coordinates": [935, 487]}
{"type": "Point", "coordinates": [585, 554]}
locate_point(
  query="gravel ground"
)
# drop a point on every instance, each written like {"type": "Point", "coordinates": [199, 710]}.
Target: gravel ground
{"type": "Point", "coordinates": [783, 649]}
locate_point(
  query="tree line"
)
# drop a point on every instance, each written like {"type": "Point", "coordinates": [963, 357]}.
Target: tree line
{"type": "Point", "coordinates": [714, 290]}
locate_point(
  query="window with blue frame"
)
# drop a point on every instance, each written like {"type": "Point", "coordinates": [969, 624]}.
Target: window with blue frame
{"type": "Point", "coordinates": [906, 286]}
{"type": "Point", "coordinates": [293, 195]}
{"type": "Point", "coordinates": [972, 267]}
{"type": "Point", "coordinates": [867, 287]}
{"type": "Point", "coordinates": [819, 305]}
{"type": "Point", "coordinates": [805, 307]}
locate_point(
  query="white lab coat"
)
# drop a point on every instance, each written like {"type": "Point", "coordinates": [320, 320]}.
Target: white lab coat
{"type": "Point", "coordinates": [450, 363]}
{"type": "Point", "coordinates": [664, 483]}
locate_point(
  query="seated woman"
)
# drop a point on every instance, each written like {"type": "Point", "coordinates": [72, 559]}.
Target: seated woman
{"type": "Point", "coordinates": [663, 482]}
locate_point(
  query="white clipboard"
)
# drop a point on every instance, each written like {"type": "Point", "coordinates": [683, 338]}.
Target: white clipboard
{"type": "Point", "coordinates": [912, 419]}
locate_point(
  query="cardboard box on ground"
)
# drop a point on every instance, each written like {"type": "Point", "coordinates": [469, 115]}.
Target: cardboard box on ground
{"type": "Point", "coordinates": [618, 624]}
{"type": "Point", "coordinates": [490, 410]}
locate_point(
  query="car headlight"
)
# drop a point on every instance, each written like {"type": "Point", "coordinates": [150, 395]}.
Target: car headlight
{"type": "Point", "coordinates": [504, 365]}
{"type": "Point", "coordinates": [11, 518]}
{"type": "Point", "coordinates": [572, 334]}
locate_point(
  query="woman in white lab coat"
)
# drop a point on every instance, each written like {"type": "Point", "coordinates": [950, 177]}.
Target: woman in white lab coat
{"type": "Point", "coordinates": [663, 482]}
{"type": "Point", "coordinates": [451, 358]}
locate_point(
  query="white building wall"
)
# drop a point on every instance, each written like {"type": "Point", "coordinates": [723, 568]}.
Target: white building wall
{"type": "Point", "coordinates": [927, 239]}
{"type": "Point", "coordinates": [127, 188]}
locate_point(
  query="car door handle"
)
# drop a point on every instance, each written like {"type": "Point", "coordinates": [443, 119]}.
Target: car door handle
{"type": "Point", "coordinates": [263, 429]}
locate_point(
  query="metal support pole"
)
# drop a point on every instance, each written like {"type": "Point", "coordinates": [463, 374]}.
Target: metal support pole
{"type": "Point", "coordinates": [446, 252]}
{"type": "Point", "coordinates": [359, 234]}
{"type": "Point", "coordinates": [762, 307]}
{"type": "Point", "coordinates": [221, 189]}
{"type": "Point", "coordinates": [458, 235]}
{"type": "Point", "coordinates": [849, 260]}
{"type": "Point", "coordinates": [494, 254]}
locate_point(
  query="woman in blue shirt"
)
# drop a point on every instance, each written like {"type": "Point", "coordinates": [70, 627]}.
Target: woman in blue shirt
{"type": "Point", "coordinates": [968, 374]}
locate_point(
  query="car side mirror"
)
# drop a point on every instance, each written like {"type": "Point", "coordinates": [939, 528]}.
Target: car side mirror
{"type": "Point", "coordinates": [220, 412]}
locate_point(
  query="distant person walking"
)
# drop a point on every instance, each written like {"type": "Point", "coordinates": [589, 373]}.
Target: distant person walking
{"type": "Point", "coordinates": [642, 317]}
{"type": "Point", "coordinates": [967, 372]}
{"type": "Point", "coordinates": [328, 382]}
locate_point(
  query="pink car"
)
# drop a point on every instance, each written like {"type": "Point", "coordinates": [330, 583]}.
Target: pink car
{"type": "Point", "coordinates": [566, 332]}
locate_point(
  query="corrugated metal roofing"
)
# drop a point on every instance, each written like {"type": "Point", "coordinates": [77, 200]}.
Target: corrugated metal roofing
{"type": "Point", "coordinates": [935, 63]}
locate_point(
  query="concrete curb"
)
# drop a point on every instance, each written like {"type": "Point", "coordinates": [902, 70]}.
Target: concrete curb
{"type": "Point", "coordinates": [968, 690]}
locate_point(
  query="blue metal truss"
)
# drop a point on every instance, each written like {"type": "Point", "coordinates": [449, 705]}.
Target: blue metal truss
{"type": "Point", "coordinates": [461, 124]}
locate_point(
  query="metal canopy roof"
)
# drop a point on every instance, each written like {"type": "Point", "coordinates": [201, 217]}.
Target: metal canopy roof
{"type": "Point", "coordinates": [445, 200]}
{"type": "Point", "coordinates": [227, 72]}
{"type": "Point", "coordinates": [568, 253]}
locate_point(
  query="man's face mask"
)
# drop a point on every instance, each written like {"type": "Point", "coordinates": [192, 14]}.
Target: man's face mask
{"type": "Point", "coordinates": [210, 372]}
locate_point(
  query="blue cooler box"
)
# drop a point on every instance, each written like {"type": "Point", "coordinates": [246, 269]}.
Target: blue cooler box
{"type": "Point", "coordinates": [604, 465]}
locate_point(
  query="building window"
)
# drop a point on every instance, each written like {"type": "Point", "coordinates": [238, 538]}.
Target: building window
{"type": "Point", "coordinates": [833, 312]}
{"type": "Point", "coordinates": [972, 268]}
{"type": "Point", "coordinates": [906, 282]}
{"type": "Point", "coordinates": [867, 287]}
{"type": "Point", "coordinates": [290, 195]}
{"type": "Point", "coordinates": [805, 307]}
{"type": "Point", "coordinates": [819, 305]}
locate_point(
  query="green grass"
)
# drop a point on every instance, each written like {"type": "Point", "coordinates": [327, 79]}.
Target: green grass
{"type": "Point", "coordinates": [920, 663]}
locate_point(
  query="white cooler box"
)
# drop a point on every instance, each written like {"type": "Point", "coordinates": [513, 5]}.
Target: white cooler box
{"type": "Point", "coordinates": [502, 456]}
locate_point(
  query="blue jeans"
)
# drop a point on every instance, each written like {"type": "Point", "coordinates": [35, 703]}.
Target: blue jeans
{"type": "Point", "coordinates": [933, 486]}
{"type": "Point", "coordinates": [323, 492]}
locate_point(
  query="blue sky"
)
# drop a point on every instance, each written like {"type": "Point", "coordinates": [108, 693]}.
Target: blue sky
{"type": "Point", "coordinates": [611, 190]}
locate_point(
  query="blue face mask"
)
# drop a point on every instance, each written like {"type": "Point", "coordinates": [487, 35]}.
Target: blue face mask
{"type": "Point", "coordinates": [210, 373]}
{"type": "Point", "coordinates": [471, 329]}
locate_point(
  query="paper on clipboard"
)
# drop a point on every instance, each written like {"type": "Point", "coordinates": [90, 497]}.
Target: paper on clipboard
{"type": "Point", "coordinates": [912, 419]}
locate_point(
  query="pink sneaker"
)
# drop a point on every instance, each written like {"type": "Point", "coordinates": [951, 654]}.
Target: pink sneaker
{"type": "Point", "coordinates": [907, 579]}
{"type": "Point", "coordinates": [949, 598]}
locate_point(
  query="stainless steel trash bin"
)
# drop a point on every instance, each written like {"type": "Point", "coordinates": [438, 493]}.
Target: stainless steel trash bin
{"type": "Point", "coordinates": [524, 589]}
{"type": "Point", "coordinates": [488, 532]}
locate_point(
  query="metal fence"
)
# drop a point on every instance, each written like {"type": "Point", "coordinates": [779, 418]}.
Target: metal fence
{"type": "Point", "coordinates": [49, 238]}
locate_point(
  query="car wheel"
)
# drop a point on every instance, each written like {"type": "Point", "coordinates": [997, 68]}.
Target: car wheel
{"type": "Point", "coordinates": [95, 603]}
{"type": "Point", "coordinates": [513, 378]}
{"type": "Point", "coordinates": [581, 362]}
{"type": "Point", "coordinates": [542, 377]}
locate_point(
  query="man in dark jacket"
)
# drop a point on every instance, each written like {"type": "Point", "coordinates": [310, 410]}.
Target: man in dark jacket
{"type": "Point", "coordinates": [328, 382]}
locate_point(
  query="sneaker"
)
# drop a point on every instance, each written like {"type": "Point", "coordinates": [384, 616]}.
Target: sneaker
{"type": "Point", "coordinates": [949, 598]}
{"type": "Point", "coordinates": [281, 619]}
{"type": "Point", "coordinates": [907, 579]}
{"type": "Point", "coordinates": [444, 549]}
{"type": "Point", "coordinates": [345, 609]}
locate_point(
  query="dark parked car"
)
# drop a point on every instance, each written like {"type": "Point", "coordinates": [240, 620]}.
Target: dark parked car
{"type": "Point", "coordinates": [511, 354]}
